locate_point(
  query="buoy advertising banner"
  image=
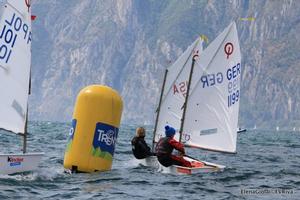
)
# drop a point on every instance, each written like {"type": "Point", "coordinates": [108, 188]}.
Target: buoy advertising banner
{"type": "Point", "coordinates": [104, 141]}
{"type": "Point", "coordinates": [94, 131]}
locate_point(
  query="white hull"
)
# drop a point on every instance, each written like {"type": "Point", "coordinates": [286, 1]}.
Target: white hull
{"type": "Point", "coordinates": [150, 161]}
{"type": "Point", "coordinates": [241, 130]}
{"type": "Point", "coordinates": [208, 167]}
{"type": "Point", "coordinates": [175, 169]}
{"type": "Point", "coordinates": [16, 163]}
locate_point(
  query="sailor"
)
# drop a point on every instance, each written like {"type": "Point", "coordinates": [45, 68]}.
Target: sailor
{"type": "Point", "coordinates": [165, 147]}
{"type": "Point", "coordinates": [140, 148]}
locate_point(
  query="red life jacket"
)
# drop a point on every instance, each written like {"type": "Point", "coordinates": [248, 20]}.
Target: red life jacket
{"type": "Point", "coordinates": [163, 147]}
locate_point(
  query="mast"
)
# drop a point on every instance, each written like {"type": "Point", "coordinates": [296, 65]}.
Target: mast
{"type": "Point", "coordinates": [24, 142]}
{"type": "Point", "coordinates": [26, 122]}
{"type": "Point", "coordinates": [187, 96]}
{"type": "Point", "coordinates": [158, 109]}
{"type": "Point", "coordinates": [25, 133]}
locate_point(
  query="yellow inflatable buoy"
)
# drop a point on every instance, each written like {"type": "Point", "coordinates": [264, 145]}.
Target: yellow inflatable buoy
{"type": "Point", "coordinates": [95, 126]}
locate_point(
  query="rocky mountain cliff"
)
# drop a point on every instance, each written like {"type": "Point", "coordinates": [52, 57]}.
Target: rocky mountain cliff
{"type": "Point", "coordinates": [126, 44]}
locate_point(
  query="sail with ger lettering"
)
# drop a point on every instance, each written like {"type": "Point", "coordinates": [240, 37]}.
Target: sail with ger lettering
{"type": "Point", "coordinates": [213, 106]}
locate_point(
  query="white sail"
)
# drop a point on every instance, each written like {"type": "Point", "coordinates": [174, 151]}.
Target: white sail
{"type": "Point", "coordinates": [175, 90]}
{"type": "Point", "coordinates": [15, 61]}
{"type": "Point", "coordinates": [212, 109]}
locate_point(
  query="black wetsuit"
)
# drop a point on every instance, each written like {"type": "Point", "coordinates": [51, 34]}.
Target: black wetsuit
{"type": "Point", "coordinates": [140, 148]}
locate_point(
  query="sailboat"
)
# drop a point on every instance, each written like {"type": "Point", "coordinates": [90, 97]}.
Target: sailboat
{"type": "Point", "coordinates": [205, 111]}
{"type": "Point", "coordinates": [15, 64]}
{"type": "Point", "coordinates": [241, 130]}
{"type": "Point", "coordinates": [176, 80]}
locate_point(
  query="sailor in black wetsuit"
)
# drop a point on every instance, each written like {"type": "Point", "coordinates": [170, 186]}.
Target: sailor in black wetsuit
{"type": "Point", "coordinates": [140, 148]}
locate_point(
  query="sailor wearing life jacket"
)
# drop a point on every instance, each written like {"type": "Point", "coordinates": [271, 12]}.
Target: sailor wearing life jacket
{"type": "Point", "coordinates": [140, 148]}
{"type": "Point", "coordinates": [164, 149]}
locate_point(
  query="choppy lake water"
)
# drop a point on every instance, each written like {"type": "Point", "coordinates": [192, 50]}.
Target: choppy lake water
{"type": "Point", "coordinates": [266, 166]}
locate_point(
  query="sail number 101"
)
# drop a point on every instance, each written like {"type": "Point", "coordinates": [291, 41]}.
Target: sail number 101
{"type": "Point", "coordinates": [12, 26]}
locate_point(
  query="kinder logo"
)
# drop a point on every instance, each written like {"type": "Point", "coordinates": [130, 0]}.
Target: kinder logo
{"type": "Point", "coordinates": [14, 161]}
{"type": "Point", "coordinates": [105, 137]}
